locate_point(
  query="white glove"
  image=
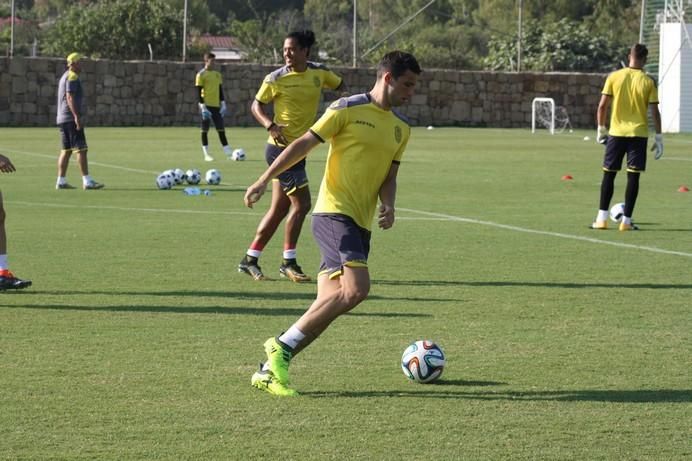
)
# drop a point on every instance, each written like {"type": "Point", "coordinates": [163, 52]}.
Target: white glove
{"type": "Point", "coordinates": [657, 148]}
{"type": "Point", "coordinates": [601, 134]}
{"type": "Point", "coordinates": [204, 111]}
{"type": "Point", "coordinates": [223, 110]}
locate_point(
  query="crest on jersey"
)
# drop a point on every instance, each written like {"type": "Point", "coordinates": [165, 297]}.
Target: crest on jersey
{"type": "Point", "coordinates": [397, 134]}
{"type": "Point", "coordinates": [316, 81]}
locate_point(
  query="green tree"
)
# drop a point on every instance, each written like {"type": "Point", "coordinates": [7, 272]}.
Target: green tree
{"type": "Point", "coordinates": [91, 29]}
{"type": "Point", "coordinates": [564, 45]}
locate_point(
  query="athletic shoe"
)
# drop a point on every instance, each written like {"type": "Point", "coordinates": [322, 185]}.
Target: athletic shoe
{"type": "Point", "coordinates": [228, 151]}
{"type": "Point", "coordinates": [628, 227]}
{"type": "Point", "coordinates": [93, 185]}
{"type": "Point", "coordinates": [8, 281]}
{"type": "Point", "coordinates": [278, 359]}
{"type": "Point", "coordinates": [600, 225]}
{"type": "Point", "coordinates": [251, 268]}
{"type": "Point", "coordinates": [64, 186]}
{"type": "Point", "coordinates": [265, 380]}
{"type": "Point", "coordinates": [208, 158]}
{"type": "Point", "coordinates": [291, 270]}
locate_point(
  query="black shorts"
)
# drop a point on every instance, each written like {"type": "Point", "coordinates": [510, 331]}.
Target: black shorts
{"type": "Point", "coordinates": [342, 243]}
{"type": "Point", "coordinates": [71, 137]}
{"type": "Point", "coordinates": [215, 117]}
{"type": "Point", "coordinates": [292, 179]}
{"type": "Point", "coordinates": [619, 146]}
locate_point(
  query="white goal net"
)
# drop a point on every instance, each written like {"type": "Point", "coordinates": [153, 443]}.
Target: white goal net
{"type": "Point", "coordinates": [544, 113]}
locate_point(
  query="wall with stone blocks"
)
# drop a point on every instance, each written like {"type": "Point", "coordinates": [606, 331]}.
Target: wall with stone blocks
{"type": "Point", "coordinates": [135, 93]}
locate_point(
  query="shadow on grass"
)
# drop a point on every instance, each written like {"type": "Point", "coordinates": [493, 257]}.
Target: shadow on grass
{"type": "Point", "coordinates": [665, 286]}
{"type": "Point", "coordinates": [434, 391]}
{"type": "Point", "coordinates": [282, 296]}
{"type": "Point", "coordinates": [262, 311]}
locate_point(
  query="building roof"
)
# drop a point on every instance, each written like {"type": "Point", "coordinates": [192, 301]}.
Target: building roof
{"type": "Point", "coordinates": [220, 42]}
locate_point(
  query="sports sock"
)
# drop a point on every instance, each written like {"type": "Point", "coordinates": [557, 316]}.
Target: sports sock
{"type": "Point", "coordinates": [626, 220]}
{"type": "Point", "coordinates": [602, 215]}
{"type": "Point", "coordinates": [3, 262]}
{"type": "Point", "coordinates": [292, 337]}
{"type": "Point", "coordinates": [61, 180]}
{"type": "Point", "coordinates": [222, 138]}
{"type": "Point", "coordinates": [205, 149]}
{"type": "Point", "coordinates": [290, 253]}
{"type": "Point", "coordinates": [86, 179]}
{"type": "Point", "coordinates": [254, 253]}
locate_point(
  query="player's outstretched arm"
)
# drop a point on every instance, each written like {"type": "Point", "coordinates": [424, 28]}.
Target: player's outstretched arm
{"type": "Point", "coordinates": [387, 194]}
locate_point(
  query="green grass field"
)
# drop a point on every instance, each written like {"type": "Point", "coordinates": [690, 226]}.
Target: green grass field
{"type": "Point", "coordinates": [138, 338]}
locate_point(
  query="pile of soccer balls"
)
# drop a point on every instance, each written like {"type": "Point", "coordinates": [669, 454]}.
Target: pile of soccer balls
{"type": "Point", "coordinates": [173, 177]}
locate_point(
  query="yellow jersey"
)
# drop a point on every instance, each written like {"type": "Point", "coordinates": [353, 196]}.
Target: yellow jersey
{"type": "Point", "coordinates": [632, 92]}
{"type": "Point", "coordinates": [364, 142]}
{"type": "Point", "coordinates": [210, 81]}
{"type": "Point", "coordinates": [296, 96]}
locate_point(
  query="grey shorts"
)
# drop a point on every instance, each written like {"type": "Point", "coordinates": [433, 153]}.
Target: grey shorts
{"type": "Point", "coordinates": [342, 243]}
{"type": "Point", "coordinates": [292, 179]}
{"type": "Point", "coordinates": [71, 137]}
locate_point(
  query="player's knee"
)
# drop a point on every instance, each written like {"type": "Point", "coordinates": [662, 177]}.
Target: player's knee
{"type": "Point", "coordinates": [352, 296]}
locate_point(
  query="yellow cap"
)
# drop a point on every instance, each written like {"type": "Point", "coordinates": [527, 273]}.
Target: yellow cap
{"type": "Point", "coordinates": [73, 57]}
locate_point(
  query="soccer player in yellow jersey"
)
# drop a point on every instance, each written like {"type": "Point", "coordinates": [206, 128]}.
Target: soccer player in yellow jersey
{"type": "Point", "coordinates": [212, 105]}
{"type": "Point", "coordinates": [629, 92]}
{"type": "Point", "coordinates": [295, 91]}
{"type": "Point", "coordinates": [367, 140]}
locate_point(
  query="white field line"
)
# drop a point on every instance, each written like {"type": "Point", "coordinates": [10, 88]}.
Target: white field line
{"type": "Point", "coordinates": [429, 215]}
{"type": "Point", "coordinates": [91, 162]}
{"type": "Point", "coordinates": [550, 234]}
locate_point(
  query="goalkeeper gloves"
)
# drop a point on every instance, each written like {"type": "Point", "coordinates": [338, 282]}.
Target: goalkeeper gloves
{"type": "Point", "coordinates": [657, 148]}
{"type": "Point", "coordinates": [204, 111]}
{"type": "Point", "coordinates": [223, 110]}
{"type": "Point", "coordinates": [601, 134]}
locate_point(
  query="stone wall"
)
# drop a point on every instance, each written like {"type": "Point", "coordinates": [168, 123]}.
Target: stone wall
{"type": "Point", "coordinates": [163, 94]}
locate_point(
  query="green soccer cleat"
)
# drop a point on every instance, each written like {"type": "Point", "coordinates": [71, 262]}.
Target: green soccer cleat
{"type": "Point", "coordinates": [278, 359]}
{"type": "Point", "coordinates": [265, 380]}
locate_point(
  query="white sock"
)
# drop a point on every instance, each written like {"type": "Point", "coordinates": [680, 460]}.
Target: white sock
{"type": "Point", "coordinates": [626, 220]}
{"type": "Point", "coordinates": [205, 149]}
{"type": "Point", "coordinates": [290, 254]}
{"type": "Point", "coordinates": [292, 337]}
{"type": "Point", "coordinates": [86, 179]}
{"type": "Point", "coordinates": [254, 253]}
{"type": "Point", "coordinates": [3, 262]}
{"type": "Point", "coordinates": [602, 215]}
{"type": "Point", "coordinates": [227, 150]}
{"type": "Point", "coordinates": [62, 180]}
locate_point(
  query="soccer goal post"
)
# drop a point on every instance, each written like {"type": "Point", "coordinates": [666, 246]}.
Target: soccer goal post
{"type": "Point", "coordinates": [543, 111]}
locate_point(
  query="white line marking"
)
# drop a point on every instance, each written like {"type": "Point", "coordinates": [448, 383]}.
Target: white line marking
{"type": "Point", "coordinates": [91, 162]}
{"type": "Point", "coordinates": [119, 208]}
{"type": "Point", "coordinates": [551, 234]}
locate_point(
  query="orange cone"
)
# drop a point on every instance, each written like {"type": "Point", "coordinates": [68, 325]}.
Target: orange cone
{"type": "Point", "coordinates": [683, 189]}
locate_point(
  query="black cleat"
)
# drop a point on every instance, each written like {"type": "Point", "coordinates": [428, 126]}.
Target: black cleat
{"type": "Point", "coordinates": [251, 268]}
{"type": "Point", "coordinates": [291, 270]}
{"type": "Point", "coordinates": [9, 282]}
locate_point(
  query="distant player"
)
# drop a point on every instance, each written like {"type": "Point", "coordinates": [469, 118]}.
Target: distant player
{"type": "Point", "coordinates": [8, 281]}
{"type": "Point", "coordinates": [631, 92]}
{"type": "Point", "coordinates": [295, 90]}
{"type": "Point", "coordinates": [366, 142]}
{"type": "Point", "coordinates": [70, 120]}
{"type": "Point", "coordinates": [212, 105]}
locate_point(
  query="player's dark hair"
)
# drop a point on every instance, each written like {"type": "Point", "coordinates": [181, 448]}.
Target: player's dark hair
{"type": "Point", "coordinates": [639, 51]}
{"type": "Point", "coordinates": [398, 62]}
{"type": "Point", "coordinates": [209, 56]}
{"type": "Point", "coordinates": [305, 38]}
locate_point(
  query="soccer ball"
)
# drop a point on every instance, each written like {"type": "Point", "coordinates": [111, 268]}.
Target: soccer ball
{"type": "Point", "coordinates": [617, 211]}
{"type": "Point", "coordinates": [193, 176]}
{"type": "Point", "coordinates": [164, 180]}
{"type": "Point", "coordinates": [238, 155]}
{"type": "Point", "coordinates": [213, 177]}
{"type": "Point", "coordinates": [179, 176]}
{"type": "Point", "coordinates": [423, 361]}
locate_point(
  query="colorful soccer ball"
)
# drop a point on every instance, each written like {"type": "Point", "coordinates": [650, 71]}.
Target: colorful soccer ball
{"type": "Point", "coordinates": [238, 155]}
{"type": "Point", "coordinates": [164, 181]}
{"type": "Point", "coordinates": [617, 211]}
{"type": "Point", "coordinates": [179, 176]}
{"type": "Point", "coordinates": [423, 361]}
{"type": "Point", "coordinates": [193, 176]}
{"type": "Point", "coordinates": [212, 177]}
